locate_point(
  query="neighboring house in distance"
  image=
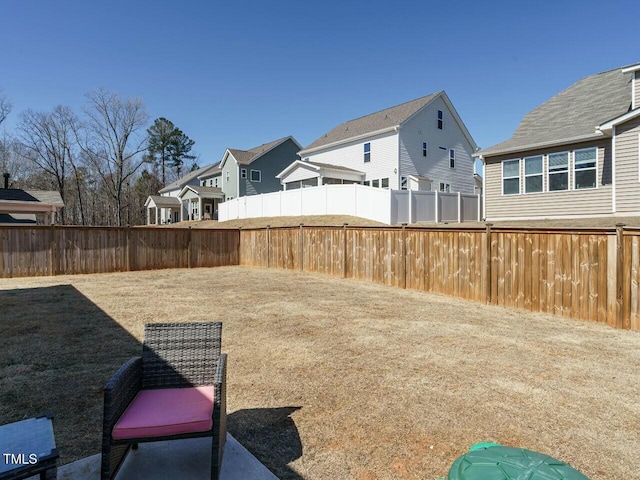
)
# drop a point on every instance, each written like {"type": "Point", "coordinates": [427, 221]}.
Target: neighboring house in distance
{"type": "Point", "coordinates": [576, 155]}
{"type": "Point", "coordinates": [419, 145]}
{"type": "Point", "coordinates": [253, 171]}
{"type": "Point", "coordinates": [169, 207]}
{"type": "Point", "coordinates": [20, 207]}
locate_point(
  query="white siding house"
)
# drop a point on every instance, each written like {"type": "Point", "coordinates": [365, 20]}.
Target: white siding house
{"type": "Point", "coordinates": [421, 144]}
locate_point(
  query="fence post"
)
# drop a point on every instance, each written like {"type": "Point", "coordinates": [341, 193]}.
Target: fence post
{"type": "Point", "coordinates": [620, 275]}
{"type": "Point", "coordinates": [301, 261]}
{"type": "Point", "coordinates": [189, 247]}
{"type": "Point", "coordinates": [403, 252]}
{"type": "Point", "coordinates": [52, 252]}
{"type": "Point", "coordinates": [487, 265]}
{"type": "Point", "coordinates": [128, 246]}
{"type": "Point", "coordinates": [344, 250]}
{"type": "Point", "coordinates": [268, 246]}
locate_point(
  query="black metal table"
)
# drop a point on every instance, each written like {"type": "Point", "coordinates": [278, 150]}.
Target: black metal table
{"type": "Point", "coordinates": [28, 448]}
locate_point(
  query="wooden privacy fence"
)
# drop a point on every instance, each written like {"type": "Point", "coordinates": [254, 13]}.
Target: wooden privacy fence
{"type": "Point", "coordinates": [55, 250]}
{"type": "Point", "coordinates": [585, 274]}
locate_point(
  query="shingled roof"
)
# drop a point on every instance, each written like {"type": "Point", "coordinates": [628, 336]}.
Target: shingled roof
{"type": "Point", "coordinates": [387, 118]}
{"type": "Point", "coordinates": [182, 181]}
{"type": "Point", "coordinates": [245, 157]}
{"type": "Point", "coordinates": [572, 115]}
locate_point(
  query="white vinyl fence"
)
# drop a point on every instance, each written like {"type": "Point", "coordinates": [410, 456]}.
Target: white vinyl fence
{"type": "Point", "coordinates": [382, 205]}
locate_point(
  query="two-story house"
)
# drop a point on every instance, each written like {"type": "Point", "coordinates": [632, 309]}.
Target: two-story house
{"type": "Point", "coordinates": [418, 145]}
{"type": "Point", "coordinates": [253, 171]}
{"type": "Point", "coordinates": [576, 155]}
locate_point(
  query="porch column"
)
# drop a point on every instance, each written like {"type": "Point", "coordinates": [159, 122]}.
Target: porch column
{"type": "Point", "coordinates": [181, 211]}
{"type": "Point", "coordinates": [148, 215]}
{"type": "Point", "coordinates": [156, 215]}
{"type": "Point", "coordinates": [200, 208]}
{"type": "Point", "coordinates": [53, 216]}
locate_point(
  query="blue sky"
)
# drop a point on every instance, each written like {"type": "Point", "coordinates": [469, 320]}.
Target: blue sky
{"type": "Point", "coordinates": [240, 73]}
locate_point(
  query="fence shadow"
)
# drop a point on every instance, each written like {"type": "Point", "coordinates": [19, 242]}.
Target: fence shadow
{"type": "Point", "coordinates": [271, 435]}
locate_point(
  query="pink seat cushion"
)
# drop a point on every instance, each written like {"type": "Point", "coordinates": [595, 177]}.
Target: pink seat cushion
{"type": "Point", "coordinates": [171, 411]}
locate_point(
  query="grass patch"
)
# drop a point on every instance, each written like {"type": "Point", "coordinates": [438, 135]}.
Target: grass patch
{"type": "Point", "coordinates": [331, 378]}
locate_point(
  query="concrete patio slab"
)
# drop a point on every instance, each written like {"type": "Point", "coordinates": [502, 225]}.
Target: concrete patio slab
{"type": "Point", "coordinates": [175, 460]}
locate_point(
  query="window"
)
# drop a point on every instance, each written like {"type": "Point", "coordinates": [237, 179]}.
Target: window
{"type": "Point", "coordinates": [533, 174]}
{"type": "Point", "coordinates": [585, 168]}
{"type": "Point", "coordinates": [227, 177]}
{"type": "Point", "coordinates": [375, 183]}
{"type": "Point", "coordinates": [215, 182]}
{"type": "Point", "coordinates": [367, 183]}
{"type": "Point", "coordinates": [558, 171]}
{"type": "Point", "coordinates": [452, 158]}
{"type": "Point", "coordinates": [424, 149]}
{"type": "Point", "coordinates": [403, 183]}
{"type": "Point", "coordinates": [511, 177]}
{"type": "Point", "coordinates": [243, 173]}
{"type": "Point", "coordinates": [256, 176]}
{"type": "Point", "coordinates": [445, 187]}
{"type": "Point", "coordinates": [440, 120]}
{"type": "Point", "coordinates": [384, 183]}
{"type": "Point", "coordinates": [367, 152]}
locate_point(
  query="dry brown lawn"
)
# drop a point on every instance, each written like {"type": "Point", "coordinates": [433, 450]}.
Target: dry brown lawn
{"type": "Point", "coordinates": [332, 378]}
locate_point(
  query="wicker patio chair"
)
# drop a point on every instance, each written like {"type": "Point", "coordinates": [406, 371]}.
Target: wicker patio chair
{"type": "Point", "coordinates": [180, 363]}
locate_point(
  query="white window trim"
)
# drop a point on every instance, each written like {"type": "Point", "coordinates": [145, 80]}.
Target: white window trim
{"type": "Point", "coordinates": [243, 173]}
{"type": "Point", "coordinates": [594, 168]}
{"type": "Point", "coordinates": [541, 174]}
{"type": "Point", "coordinates": [259, 176]}
{"type": "Point", "coordinates": [365, 152]}
{"type": "Point", "coordinates": [502, 179]}
{"type": "Point", "coordinates": [569, 179]}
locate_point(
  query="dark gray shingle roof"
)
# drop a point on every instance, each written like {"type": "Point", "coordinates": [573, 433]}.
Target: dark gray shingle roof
{"type": "Point", "coordinates": [573, 114]}
{"type": "Point", "coordinates": [245, 157]}
{"type": "Point", "coordinates": [182, 181]}
{"type": "Point", "coordinates": [373, 122]}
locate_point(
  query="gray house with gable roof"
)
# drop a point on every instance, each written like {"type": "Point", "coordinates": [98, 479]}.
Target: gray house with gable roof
{"type": "Point", "coordinates": [576, 155]}
{"type": "Point", "coordinates": [418, 145]}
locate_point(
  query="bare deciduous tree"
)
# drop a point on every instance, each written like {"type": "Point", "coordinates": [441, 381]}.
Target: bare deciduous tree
{"type": "Point", "coordinates": [49, 142]}
{"type": "Point", "coordinates": [5, 107]}
{"type": "Point", "coordinates": [112, 140]}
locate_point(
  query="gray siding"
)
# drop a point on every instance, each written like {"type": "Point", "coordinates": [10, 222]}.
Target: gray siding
{"type": "Point", "coordinates": [230, 171]}
{"type": "Point", "coordinates": [627, 160]}
{"type": "Point", "coordinates": [568, 203]}
{"type": "Point", "coordinates": [270, 164]}
{"type": "Point", "coordinates": [423, 127]}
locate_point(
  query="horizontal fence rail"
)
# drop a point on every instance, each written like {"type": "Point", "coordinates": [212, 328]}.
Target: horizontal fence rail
{"type": "Point", "coordinates": [32, 251]}
{"type": "Point", "coordinates": [588, 274]}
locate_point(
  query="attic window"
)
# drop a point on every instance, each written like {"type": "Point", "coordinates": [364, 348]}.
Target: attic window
{"type": "Point", "coordinates": [367, 152]}
{"type": "Point", "coordinates": [424, 149]}
{"type": "Point", "coordinates": [452, 158]}
{"type": "Point", "coordinates": [440, 120]}
{"type": "Point", "coordinates": [243, 173]}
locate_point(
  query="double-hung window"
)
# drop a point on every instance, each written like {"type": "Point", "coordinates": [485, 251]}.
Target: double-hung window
{"type": "Point", "coordinates": [533, 174]}
{"type": "Point", "coordinates": [511, 177]}
{"type": "Point", "coordinates": [440, 120]}
{"type": "Point", "coordinates": [403, 183]}
{"type": "Point", "coordinates": [585, 168]}
{"type": "Point", "coordinates": [256, 176]}
{"type": "Point", "coordinates": [367, 152]}
{"type": "Point", "coordinates": [452, 158]}
{"type": "Point", "coordinates": [424, 149]}
{"type": "Point", "coordinates": [558, 171]}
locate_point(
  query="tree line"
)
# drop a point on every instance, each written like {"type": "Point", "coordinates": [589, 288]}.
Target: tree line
{"type": "Point", "coordinates": [104, 162]}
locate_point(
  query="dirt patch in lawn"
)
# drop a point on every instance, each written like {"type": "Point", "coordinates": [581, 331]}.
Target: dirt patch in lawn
{"type": "Point", "coordinates": [332, 378]}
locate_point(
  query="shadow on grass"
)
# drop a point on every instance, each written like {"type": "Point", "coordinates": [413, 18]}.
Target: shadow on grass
{"type": "Point", "coordinates": [271, 435]}
{"type": "Point", "coordinates": [57, 352]}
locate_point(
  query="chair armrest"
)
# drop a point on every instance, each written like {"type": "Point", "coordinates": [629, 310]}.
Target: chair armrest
{"type": "Point", "coordinates": [120, 391]}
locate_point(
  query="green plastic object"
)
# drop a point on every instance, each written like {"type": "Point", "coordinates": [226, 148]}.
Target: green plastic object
{"type": "Point", "coordinates": [498, 462]}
